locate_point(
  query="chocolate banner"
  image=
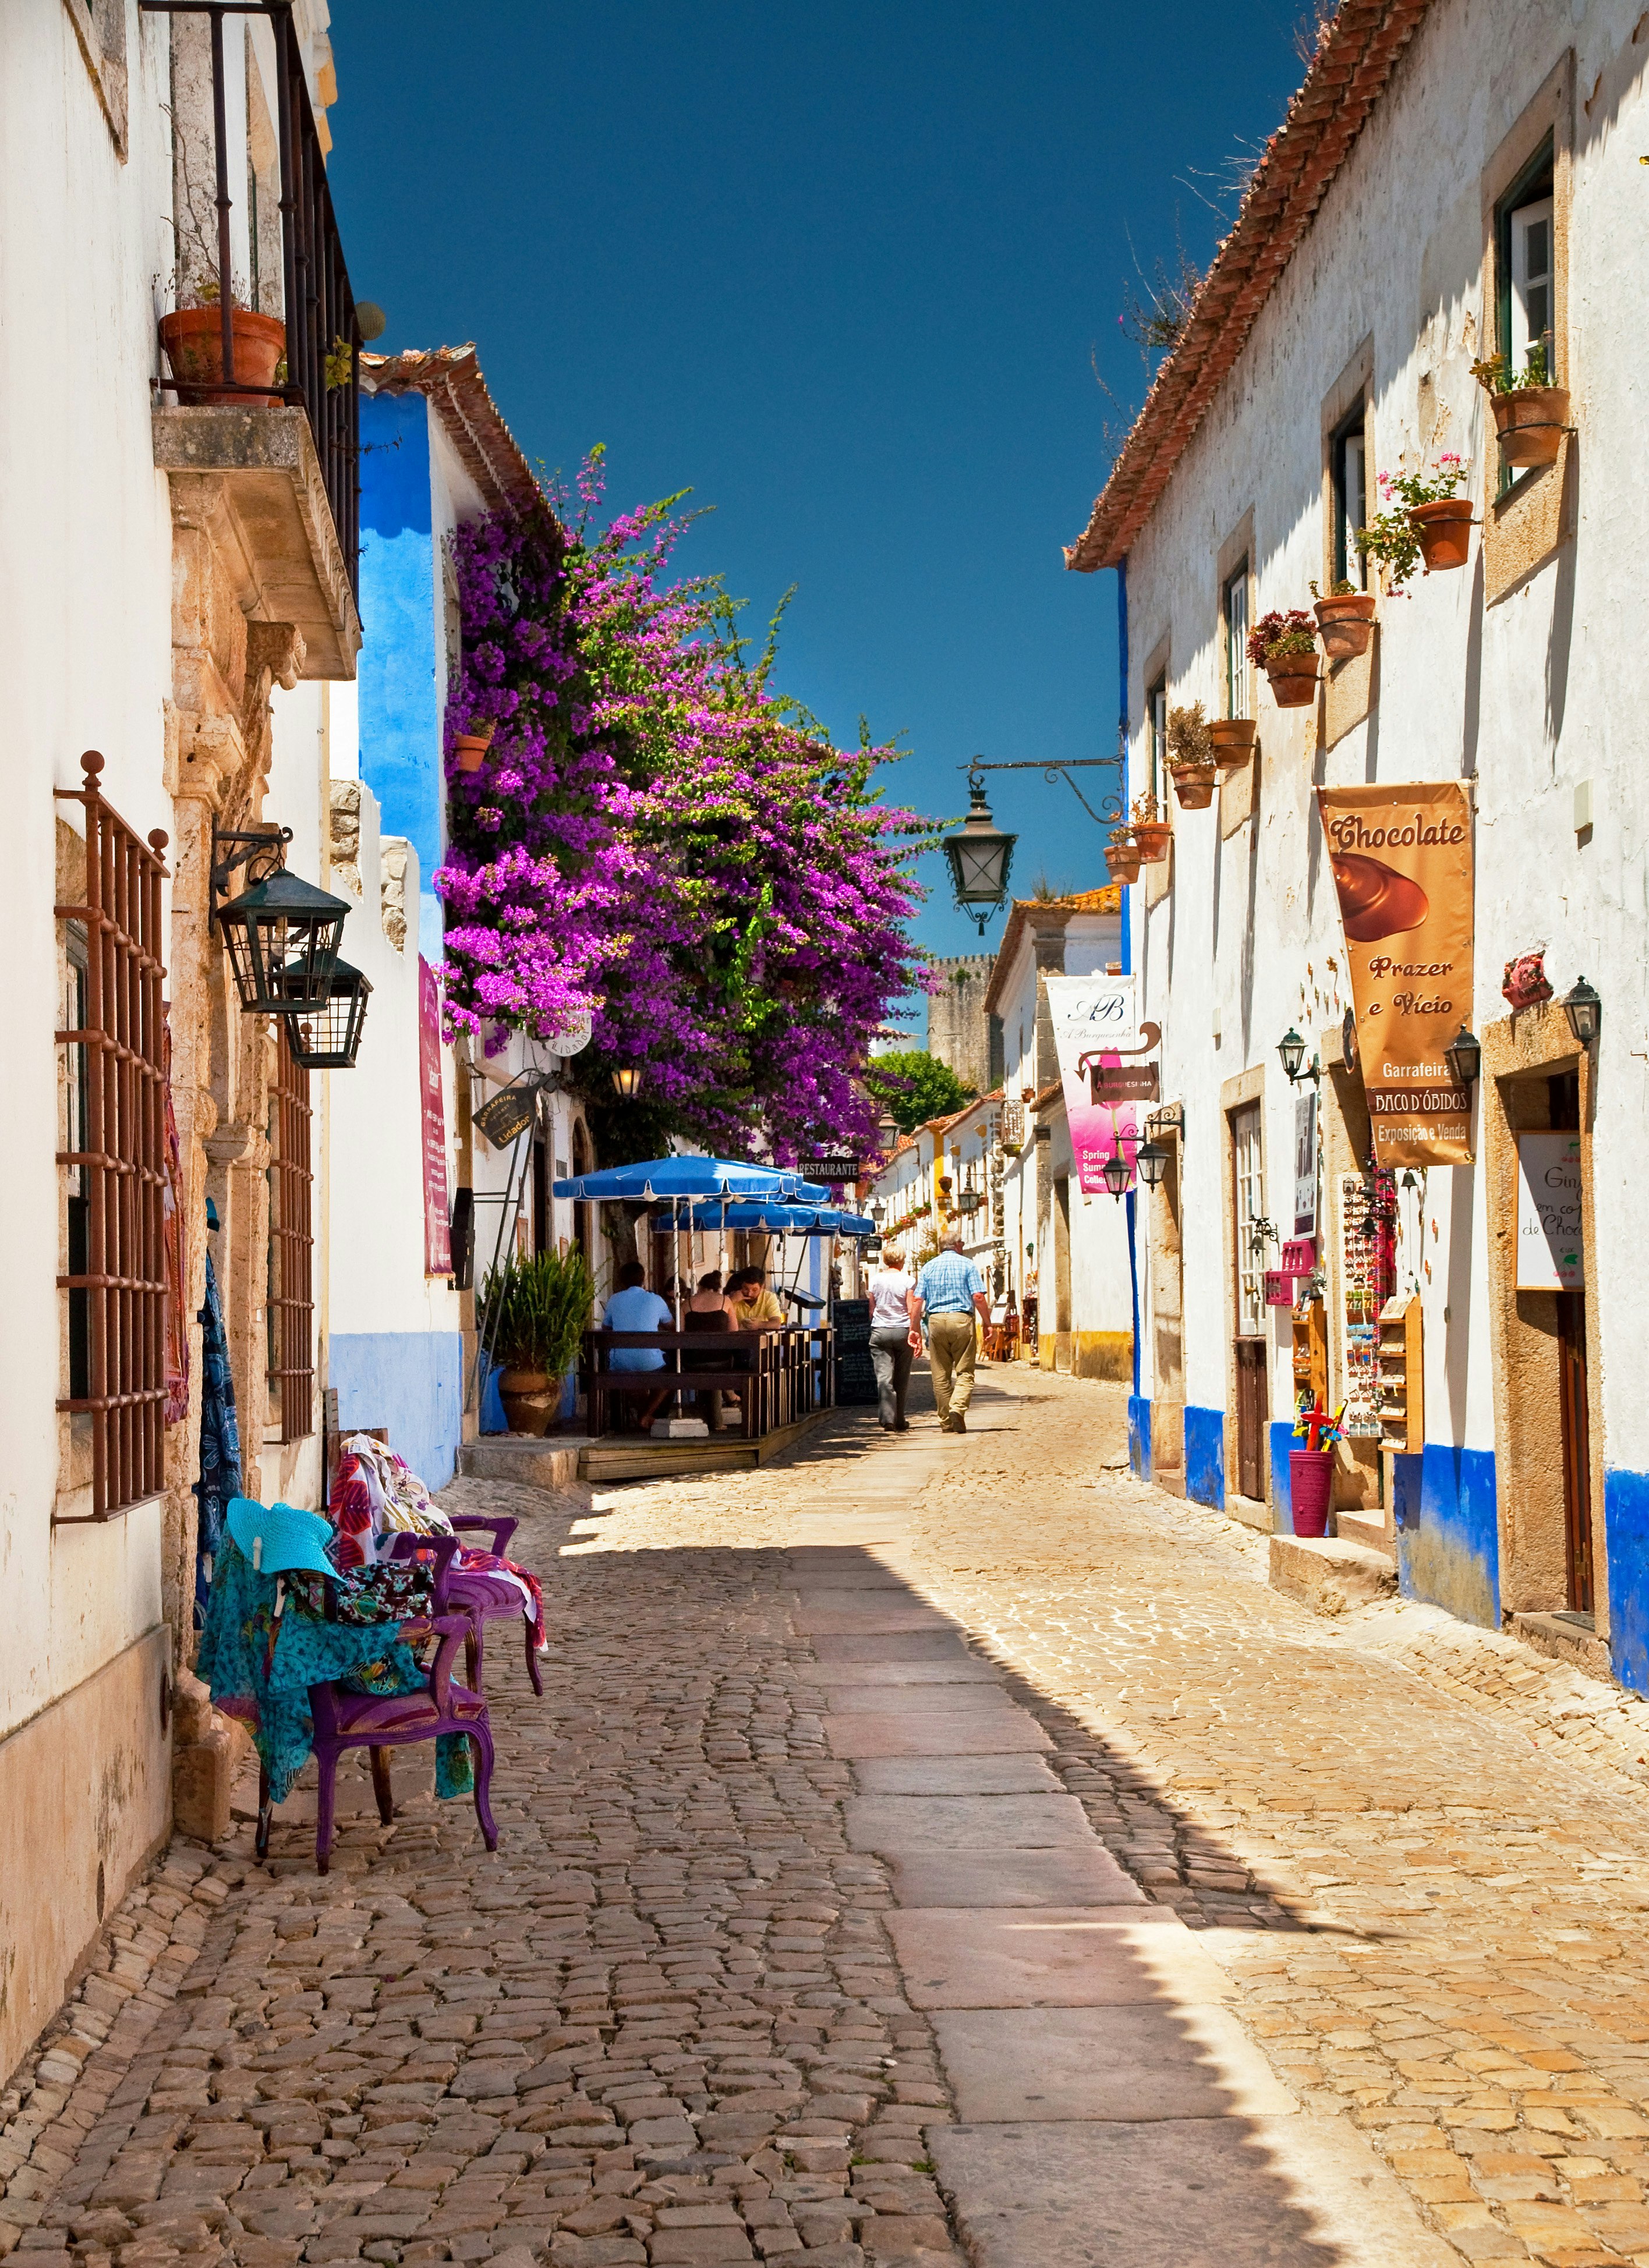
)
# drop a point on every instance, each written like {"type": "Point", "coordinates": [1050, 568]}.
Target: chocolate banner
{"type": "Point", "coordinates": [1401, 858]}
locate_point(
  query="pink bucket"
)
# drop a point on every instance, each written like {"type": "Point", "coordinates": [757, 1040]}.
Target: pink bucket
{"type": "Point", "coordinates": [1310, 1489]}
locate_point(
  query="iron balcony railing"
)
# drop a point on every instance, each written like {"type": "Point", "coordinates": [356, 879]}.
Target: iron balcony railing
{"type": "Point", "coordinates": [321, 368]}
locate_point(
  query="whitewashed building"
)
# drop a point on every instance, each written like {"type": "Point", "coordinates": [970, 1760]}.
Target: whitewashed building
{"type": "Point", "coordinates": [1455, 179]}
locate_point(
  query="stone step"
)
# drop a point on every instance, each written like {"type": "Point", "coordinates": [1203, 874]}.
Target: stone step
{"type": "Point", "coordinates": [1329, 1575]}
{"type": "Point", "coordinates": [549, 1464]}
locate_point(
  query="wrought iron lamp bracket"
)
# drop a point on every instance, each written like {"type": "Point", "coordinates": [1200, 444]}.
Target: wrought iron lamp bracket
{"type": "Point", "coordinates": [260, 850]}
{"type": "Point", "coordinates": [1111, 809]}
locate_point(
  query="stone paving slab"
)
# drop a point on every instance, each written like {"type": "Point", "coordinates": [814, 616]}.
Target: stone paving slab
{"type": "Point", "coordinates": [1157, 2059]}
{"type": "Point", "coordinates": [896, 1825]}
{"type": "Point", "coordinates": [1241, 2192]}
{"type": "Point", "coordinates": [844, 1678]}
{"type": "Point", "coordinates": [971, 1731]}
{"type": "Point", "coordinates": [1071, 1874]}
{"type": "Point", "coordinates": [822, 1611]}
{"type": "Point", "coordinates": [994, 1775]}
{"type": "Point", "coordinates": [1054, 1957]}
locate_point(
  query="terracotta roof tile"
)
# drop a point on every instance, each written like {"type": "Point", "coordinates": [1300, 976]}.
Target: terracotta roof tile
{"type": "Point", "coordinates": [450, 378]}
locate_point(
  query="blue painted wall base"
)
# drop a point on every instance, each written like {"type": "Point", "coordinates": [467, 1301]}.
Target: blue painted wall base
{"type": "Point", "coordinates": [1626, 1527]}
{"type": "Point", "coordinates": [411, 1381]}
{"type": "Point", "coordinates": [1205, 1457]}
{"type": "Point", "coordinates": [1283, 1440]}
{"type": "Point", "coordinates": [1443, 1507]}
{"type": "Point", "coordinates": [1140, 1435]}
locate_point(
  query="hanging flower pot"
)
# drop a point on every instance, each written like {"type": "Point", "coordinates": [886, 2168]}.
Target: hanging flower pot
{"type": "Point", "coordinates": [470, 749]}
{"type": "Point", "coordinates": [1123, 858]}
{"type": "Point", "coordinates": [1233, 739]}
{"type": "Point", "coordinates": [193, 339]}
{"type": "Point", "coordinates": [1530, 421]}
{"type": "Point", "coordinates": [1293, 680]}
{"type": "Point", "coordinates": [1152, 838]}
{"type": "Point", "coordinates": [1194, 785]}
{"type": "Point", "coordinates": [1310, 1489]}
{"type": "Point", "coordinates": [1444, 531]}
{"type": "Point", "coordinates": [1345, 623]}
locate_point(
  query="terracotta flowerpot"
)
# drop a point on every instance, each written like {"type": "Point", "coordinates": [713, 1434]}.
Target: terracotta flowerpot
{"type": "Point", "coordinates": [530, 1400]}
{"type": "Point", "coordinates": [1152, 838]}
{"type": "Point", "coordinates": [1123, 860]}
{"type": "Point", "coordinates": [1310, 1489]}
{"type": "Point", "coordinates": [1444, 532]}
{"type": "Point", "coordinates": [1345, 624]}
{"type": "Point", "coordinates": [1194, 785]}
{"type": "Point", "coordinates": [1233, 742]}
{"type": "Point", "coordinates": [193, 339]}
{"type": "Point", "coordinates": [1530, 423]}
{"type": "Point", "coordinates": [470, 749]}
{"type": "Point", "coordinates": [1293, 680]}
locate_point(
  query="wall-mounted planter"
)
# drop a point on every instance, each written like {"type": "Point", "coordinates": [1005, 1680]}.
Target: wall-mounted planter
{"type": "Point", "coordinates": [1151, 837]}
{"type": "Point", "coordinates": [1194, 785]}
{"type": "Point", "coordinates": [1444, 532]}
{"type": "Point", "coordinates": [1345, 624]}
{"type": "Point", "coordinates": [1530, 422]}
{"type": "Point", "coordinates": [1293, 680]}
{"type": "Point", "coordinates": [1233, 739]}
{"type": "Point", "coordinates": [1123, 858]}
{"type": "Point", "coordinates": [470, 749]}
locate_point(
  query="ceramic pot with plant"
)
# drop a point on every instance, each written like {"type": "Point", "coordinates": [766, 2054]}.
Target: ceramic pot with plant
{"type": "Point", "coordinates": [1530, 412]}
{"type": "Point", "coordinates": [532, 1314]}
{"type": "Point", "coordinates": [1151, 831]}
{"type": "Point", "coordinates": [1425, 520]}
{"type": "Point", "coordinates": [1191, 757]}
{"type": "Point", "coordinates": [1123, 859]}
{"type": "Point", "coordinates": [193, 339]}
{"type": "Point", "coordinates": [1285, 647]}
{"type": "Point", "coordinates": [1345, 620]}
{"type": "Point", "coordinates": [470, 748]}
{"type": "Point", "coordinates": [1233, 740]}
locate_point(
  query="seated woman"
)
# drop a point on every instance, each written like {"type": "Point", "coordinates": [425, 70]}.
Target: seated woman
{"type": "Point", "coordinates": [632, 1308]}
{"type": "Point", "coordinates": [708, 1311]}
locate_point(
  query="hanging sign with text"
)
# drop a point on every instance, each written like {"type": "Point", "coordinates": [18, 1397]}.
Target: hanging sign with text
{"type": "Point", "coordinates": [1096, 1030]}
{"type": "Point", "coordinates": [1549, 1255]}
{"type": "Point", "coordinates": [437, 1234]}
{"type": "Point", "coordinates": [1402, 867]}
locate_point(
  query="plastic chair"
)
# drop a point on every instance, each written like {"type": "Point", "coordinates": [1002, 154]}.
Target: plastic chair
{"type": "Point", "coordinates": [382, 1722]}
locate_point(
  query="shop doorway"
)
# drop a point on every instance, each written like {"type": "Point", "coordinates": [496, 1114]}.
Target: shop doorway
{"type": "Point", "coordinates": [1253, 1410]}
{"type": "Point", "coordinates": [1062, 1274]}
{"type": "Point", "coordinates": [1167, 1326]}
{"type": "Point", "coordinates": [1563, 1098]}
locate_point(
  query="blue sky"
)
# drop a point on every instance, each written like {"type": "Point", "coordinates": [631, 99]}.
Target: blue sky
{"type": "Point", "coordinates": [847, 272]}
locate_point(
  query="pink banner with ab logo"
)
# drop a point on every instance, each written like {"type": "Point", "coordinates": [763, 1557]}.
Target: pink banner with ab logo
{"type": "Point", "coordinates": [1100, 1045]}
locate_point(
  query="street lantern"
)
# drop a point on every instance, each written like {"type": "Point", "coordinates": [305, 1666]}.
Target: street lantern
{"type": "Point", "coordinates": [627, 1082]}
{"type": "Point", "coordinates": [1117, 1176]}
{"type": "Point", "coordinates": [1583, 1004]}
{"type": "Point", "coordinates": [1151, 1162]}
{"type": "Point", "coordinates": [329, 1038]}
{"type": "Point", "coordinates": [1464, 1057]}
{"type": "Point", "coordinates": [887, 1134]}
{"type": "Point", "coordinates": [281, 934]}
{"type": "Point", "coordinates": [980, 856]}
{"type": "Point", "coordinates": [1291, 1047]}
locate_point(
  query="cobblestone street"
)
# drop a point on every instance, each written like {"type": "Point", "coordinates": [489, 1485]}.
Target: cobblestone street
{"type": "Point", "coordinates": [926, 1848]}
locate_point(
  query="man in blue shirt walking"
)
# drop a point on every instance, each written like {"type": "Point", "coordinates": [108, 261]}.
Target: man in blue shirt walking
{"type": "Point", "coordinates": [948, 1293]}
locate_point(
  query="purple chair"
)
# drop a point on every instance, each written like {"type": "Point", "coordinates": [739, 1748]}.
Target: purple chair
{"type": "Point", "coordinates": [380, 1722]}
{"type": "Point", "coordinates": [484, 1597]}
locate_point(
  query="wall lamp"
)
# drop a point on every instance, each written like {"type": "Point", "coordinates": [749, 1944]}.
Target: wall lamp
{"type": "Point", "coordinates": [1583, 1004]}
{"type": "Point", "coordinates": [1464, 1057]}
{"type": "Point", "coordinates": [1116, 1172]}
{"type": "Point", "coordinates": [1291, 1047]}
{"type": "Point", "coordinates": [1151, 1161]}
{"type": "Point", "coordinates": [627, 1082]}
{"type": "Point", "coordinates": [281, 934]}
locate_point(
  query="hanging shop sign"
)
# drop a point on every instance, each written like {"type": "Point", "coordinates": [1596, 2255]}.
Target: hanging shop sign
{"type": "Point", "coordinates": [1549, 1255]}
{"type": "Point", "coordinates": [1096, 1025]}
{"type": "Point", "coordinates": [834, 1165]}
{"type": "Point", "coordinates": [1109, 1084]}
{"type": "Point", "coordinates": [1305, 1167]}
{"type": "Point", "coordinates": [437, 1234]}
{"type": "Point", "coordinates": [1402, 867]}
{"type": "Point", "coordinates": [1299, 1256]}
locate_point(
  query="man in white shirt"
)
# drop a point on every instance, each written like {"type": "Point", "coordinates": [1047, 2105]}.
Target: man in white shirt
{"type": "Point", "coordinates": [894, 1339]}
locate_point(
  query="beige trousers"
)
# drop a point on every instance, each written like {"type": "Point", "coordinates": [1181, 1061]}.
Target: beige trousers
{"type": "Point", "coordinates": [950, 1353]}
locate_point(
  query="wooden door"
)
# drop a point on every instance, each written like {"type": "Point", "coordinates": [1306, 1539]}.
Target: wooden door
{"type": "Point", "coordinates": [1249, 1199]}
{"type": "Point", "coordinates": [1577, 1448]}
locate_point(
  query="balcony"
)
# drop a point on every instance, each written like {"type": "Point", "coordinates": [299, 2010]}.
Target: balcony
{"type": "Point", "coordinates": [258, 388]}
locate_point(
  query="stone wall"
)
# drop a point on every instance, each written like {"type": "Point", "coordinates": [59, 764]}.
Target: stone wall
{"type": "Point", "coordinates": [958, 1028]}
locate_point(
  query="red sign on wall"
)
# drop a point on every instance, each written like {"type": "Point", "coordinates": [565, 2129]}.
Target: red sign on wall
{"type": "Point", "coordinates": [437, 1238]}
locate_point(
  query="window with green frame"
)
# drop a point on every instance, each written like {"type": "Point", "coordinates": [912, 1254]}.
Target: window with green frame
{"type": "Point", "coordinates": [1234, 610]}
{"type": "Point", "coordinates": [1525, 274]}
{"type": "Point", "coordinates": [1347, 473]}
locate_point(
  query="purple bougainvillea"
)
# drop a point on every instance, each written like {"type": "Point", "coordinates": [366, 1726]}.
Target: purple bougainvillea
{"type": "Point", "coordinates": [658, 839]}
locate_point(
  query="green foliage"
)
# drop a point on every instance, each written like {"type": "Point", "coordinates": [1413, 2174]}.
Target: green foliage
{"type": "Point", "coordinates": [1495, 374]}
{"type": "Point", "coordinates": [913, 1086]}
{"type": "Point", "coordinates": [534, 1312]}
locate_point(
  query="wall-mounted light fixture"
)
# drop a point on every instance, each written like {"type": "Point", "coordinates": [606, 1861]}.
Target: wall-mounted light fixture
{"type": "Point", "coordinates": [1464, 1057]}
{"type": "Point", "coordinates": [1151, 1162]}
{"type": "Point", "coordinates": [980, 856]}
{"type": "Point", "coordinates": [1117, 1176]}
{"type": "Point", "coordinates": [281, 934]}
{"type": "Point", "coordinates": [1583, 1004]}
{"type": "Point", "coordinates": [1291, 1048]}
{"type": "Point", "coordinates": [627, 1082]}
{"type": "Point", "coordinates": [328, 1038]}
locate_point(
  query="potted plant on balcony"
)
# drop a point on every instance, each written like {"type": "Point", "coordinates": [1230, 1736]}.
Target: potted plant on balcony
{"type": "Point", "coordinates": [1530, 413]}
{"type": "Point", "coordinates": [1191, 757]}
{"type": "Point", "coordinates": [1345, 620]}
{"type": "Point", "coordinates": [1151, 831]}
{"type": "Point", "coordinates": [192, 333]}
{"type": "Point", "coordinates": [1285, 647]}
{"type": "Point", "coordinates": [1426, 521]}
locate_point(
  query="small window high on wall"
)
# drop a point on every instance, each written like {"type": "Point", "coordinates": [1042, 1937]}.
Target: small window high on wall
{"type": "Point", "coordinates": [1526, 268]}
{"type": "Point", "coordinates": [1348, 477]}
{"type": "Point", "coordinates": [1156, 724]}
{"type": "Point", "coordinates": [1234, 609]}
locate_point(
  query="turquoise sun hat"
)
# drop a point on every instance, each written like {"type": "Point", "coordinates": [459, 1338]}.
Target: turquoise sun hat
{"type": "Point", "coordinates": [278, 1539]}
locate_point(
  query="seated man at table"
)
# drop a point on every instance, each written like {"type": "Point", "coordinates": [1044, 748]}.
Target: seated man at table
{"type": "Point", "coordinates": [755, 1307]}
{"type": "Point", "coordinates": [632, 1308]}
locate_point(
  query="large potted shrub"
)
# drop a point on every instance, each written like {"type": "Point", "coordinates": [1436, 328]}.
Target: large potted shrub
{"type": "Point", "coordinates": [1191, 757]}
{"type": "Point", "coordinates": [1285, 647]}
{"type": "Point", "coordinates": [1425, 518]}
{"type": "Point", "coordinates": [1345, 620]}
{"type": "Point", "coordinates": [1530, 413]}
{"type": "Point", "coordinates": [533, 1313]}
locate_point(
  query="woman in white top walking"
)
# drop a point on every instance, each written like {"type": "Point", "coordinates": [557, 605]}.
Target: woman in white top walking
{"type": "Point", "coordinates": [894, 1339]}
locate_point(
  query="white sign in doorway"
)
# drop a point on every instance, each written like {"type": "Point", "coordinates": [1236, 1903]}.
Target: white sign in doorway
{"type": "Point", "coordinates": [1550, 1255]}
